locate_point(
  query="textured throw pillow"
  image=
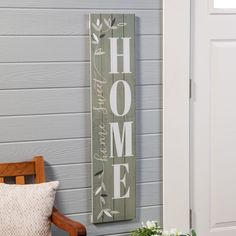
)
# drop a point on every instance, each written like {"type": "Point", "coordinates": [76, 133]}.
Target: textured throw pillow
{"type": "Point", "coordinates": [25, 210]}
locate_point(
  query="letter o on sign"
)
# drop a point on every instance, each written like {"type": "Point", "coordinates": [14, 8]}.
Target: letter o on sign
{"type": "Point", "coordinates": [127, 98]}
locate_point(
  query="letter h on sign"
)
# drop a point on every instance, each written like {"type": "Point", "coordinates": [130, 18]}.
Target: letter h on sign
{"type": "Point", "coordinates": [115, 55]}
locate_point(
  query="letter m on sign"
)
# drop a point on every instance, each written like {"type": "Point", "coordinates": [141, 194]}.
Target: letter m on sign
{"type": "Point", "coordinates": [113, 123]}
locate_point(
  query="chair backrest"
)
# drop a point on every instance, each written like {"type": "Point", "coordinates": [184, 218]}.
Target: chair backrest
{"type": "Point", "coordinates": [20, 170]}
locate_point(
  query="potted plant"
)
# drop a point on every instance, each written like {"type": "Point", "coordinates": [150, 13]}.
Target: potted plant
{"type": "Point", "coordinates": [152, 228]}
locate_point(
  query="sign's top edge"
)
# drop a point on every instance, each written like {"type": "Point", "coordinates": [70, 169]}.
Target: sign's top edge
{"type": "Point", "coordinates": [108, 14]}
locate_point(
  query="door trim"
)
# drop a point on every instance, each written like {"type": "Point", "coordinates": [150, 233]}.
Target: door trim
{"type": "Point", "coordinates": [176, 81]}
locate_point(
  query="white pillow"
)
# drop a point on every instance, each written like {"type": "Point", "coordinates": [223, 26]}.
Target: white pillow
{"type": "Point", "coordinates": [25, 210]}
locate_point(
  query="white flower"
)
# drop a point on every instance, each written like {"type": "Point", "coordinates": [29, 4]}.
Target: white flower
{"type": "Point", "coordinates": [174, 232]}
{"type": "Point", "coordinates": [151, 224]}
{"type": "Point", "coordinates": [165, 233]}
{"type": "Point", "coordinates": [157, 230]}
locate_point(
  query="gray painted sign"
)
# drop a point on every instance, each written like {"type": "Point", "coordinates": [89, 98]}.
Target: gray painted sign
{"type": "Point", "coordinates": [113, 117]}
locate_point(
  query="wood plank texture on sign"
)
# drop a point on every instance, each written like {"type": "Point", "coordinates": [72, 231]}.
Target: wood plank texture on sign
{"type": "Point", "coordinates": [104, 28]}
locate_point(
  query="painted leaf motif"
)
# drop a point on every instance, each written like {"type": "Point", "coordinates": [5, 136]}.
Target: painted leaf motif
{"type": "Point", "coordinates": [92, 36]}
{"type": "Point", "coordinates": [103, 200]}
{"type": "Point", "coordinates": [95, 27]}
{"type": "Point", "coordinates": [103, 186]}
{"type": "Point", "coordinates": [100, 27]}
{"type": "Point", "coordinates": [114, 212]}
{"type": "Point", "coordinates": [104, 195]}
{"type": "Point", "coordinates": [95, 38]}
{"type": "Point", "coordinates": [102, 36]}
{"type": "Point", "coordinates": [98, 191]}
{"type": "Point", "coordinates": [113, 21]}
{"type": "Point", "coordinates": [98, 173]}
{"type": "Point", "coordinates": [107, 22]}
{"type": "Point", "coordinates": [121, 24]}
{"type": "Point", "coordinates": [106, 211]}
{"type": "Point", "coordinates": [98, 21]}
{"type": "Point", "coordinates": [100, 215]}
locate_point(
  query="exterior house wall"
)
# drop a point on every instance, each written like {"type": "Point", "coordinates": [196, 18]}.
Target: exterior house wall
{"type": "Point", "coordinates": [44, 99]}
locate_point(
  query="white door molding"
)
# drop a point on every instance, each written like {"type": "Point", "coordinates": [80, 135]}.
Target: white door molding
{"type": "Point", "coordinates": [176, 75]}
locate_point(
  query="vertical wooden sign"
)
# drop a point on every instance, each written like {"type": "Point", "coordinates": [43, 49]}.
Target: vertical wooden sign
{"type": "Point", "coordinates": [113, 117]}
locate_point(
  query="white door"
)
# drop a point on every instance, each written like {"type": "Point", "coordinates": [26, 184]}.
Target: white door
{"type": "Point", "coordinates": [213, 117]}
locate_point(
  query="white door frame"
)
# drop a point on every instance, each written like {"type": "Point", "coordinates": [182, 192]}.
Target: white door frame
{"type": "Point", "coordinates": [176, 82]}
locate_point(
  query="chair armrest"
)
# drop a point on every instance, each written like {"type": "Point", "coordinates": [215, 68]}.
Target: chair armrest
{"type": "Point", "coordinates": [70, 226]}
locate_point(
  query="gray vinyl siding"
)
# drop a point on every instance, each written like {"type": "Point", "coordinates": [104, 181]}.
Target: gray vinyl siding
{"type": "Point", "coordinates": [44, 99]}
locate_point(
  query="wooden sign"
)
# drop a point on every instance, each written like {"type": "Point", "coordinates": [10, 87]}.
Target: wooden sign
{"type": "Point", "coordinates": [113, 117]}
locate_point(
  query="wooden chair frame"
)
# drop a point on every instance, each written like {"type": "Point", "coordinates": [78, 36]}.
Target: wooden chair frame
{"type": "Point", "coordinates": [36, 168]}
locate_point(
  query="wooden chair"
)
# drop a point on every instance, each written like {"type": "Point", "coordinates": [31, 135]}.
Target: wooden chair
{"type": "Point", "coordinates": [35, 168]}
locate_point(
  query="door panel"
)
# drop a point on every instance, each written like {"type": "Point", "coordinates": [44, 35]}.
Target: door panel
{"type": "Point", "coordinates": [223, 134]}
{"type": "Point", "coordinates": [213, 121]}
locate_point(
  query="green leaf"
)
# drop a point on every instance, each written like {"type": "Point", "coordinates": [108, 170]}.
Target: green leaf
{"type": "Point", "coordinates": [194, 233]}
